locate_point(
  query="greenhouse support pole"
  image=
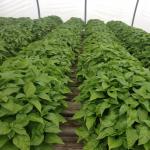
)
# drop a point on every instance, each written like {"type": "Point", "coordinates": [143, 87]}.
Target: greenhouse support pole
{"type": "Point", "coordinates": [38, 8]}
{"type": "Point", "coordinates": [134, 14]}
{"type": "Point", "coordinates": [85, 11]}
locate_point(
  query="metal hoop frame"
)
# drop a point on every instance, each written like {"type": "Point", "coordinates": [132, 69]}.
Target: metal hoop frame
{"type": "Point", "coordinates": [85, 11]}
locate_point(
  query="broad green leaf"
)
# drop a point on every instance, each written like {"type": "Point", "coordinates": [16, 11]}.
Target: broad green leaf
{"type": "Point", "coordinates": [27, 108]}
{"type": "Point", "coordinates": [11, 134]}
{"type": "Point", "coordinates": [112, 94]}
{"type": "Point", "coordinates": [4, 112]}
{"type": "Point", "coordinates": [105, 85]}
{"type": "Point", "coordinates": [147, 86]}
{"type": "Point", "coordinates": [44, 96]}
{"type": "Point", "coordinates": [43, 146]}
{"type": "Point", "coordinates": [79, 114]}
{"type": "Point", "coordinates": [54, 118]}
{"type": "Point", "coordinates": [121, 124]}
{"type": "Point", "coordinates": [11, 106]}
{"type": "Point", "coordinates": [82, 133]}
{"type": "Point", "coordinates": [20, 131]}
{"type": "Point", "coordinates": [147, 122]}
{"type": "Point", "coordinates": [132, 136]}
{"type": "Point", "coordinates": [4, 128]}
{"type": "Point", "coordinates": [29, 89]}
{"type": "Point", "coordinates": [35, 118]}
{"type": "Point", "coordinates": [37, 136]}
{"type": "Point", "coordinates": [20, 95]}
{"type": "Point", "coordinates": [36, 103]}
{"type": "Point", "coordinates": [106, 132]}
{"type": "Point", "coordinates": [9, 146]}
{"type": "Point", "coordinates": [132, 117]}
{"type": "Point", "coordinates": [122, 81]}
{"type": "Point", "coordinates": [65, 90]}
{"type": "Point", "coordinates": [101, 107]}
{"type": "Point", "coordinates": [3, 140]}
{"type": "Point", "coordinates": [109, 120]}
{"type": "Point", "coordinates": [22, 142]}
{"type": "Point", "coordinates": [36, 139]}
{"type": "Point", "coordinates": [114, 142]}
{"type": "Point", "coordinates": [10, 90]}
{"type": "Point", "coordinates": [146, 105]}
{"type": "Point", "coordinates": [61, 118]}
{"type": "Point", "coordinates": [91, 144]}
{"type": "Point", "coordinates": [90, 122]}
{"type": "Point", "coordinates": [21, 121]}
{"type": "Point", "coordinates": [147, 145]}
{"type": "Point", "coordinates": [123, 109]}
{"type": "Point", "coordinates": [143, 91]}
{"type": "Point", "coordinates": [144, 135]}
{"type": "Point", "coordinates": [95, 95]}
{"type": "Point", "coordinates": [137, 78]}
{"type": "Point", "coordinates": [131, 102]}
{"type": "Point", "coordinates": [142, 114]}
{"type": "Point", "coordinates": [51, 128]}
{"type": "Point", "coordinates": [9, 75]}
{"type": "Point", "coordinates": [128, 75]}
{"type": "Point", "coordinates": [106, 123]}
{"type": "Point", "coordinates": [3, 98]}
{"type": "Point", "coordinates": [53, 139]}
{"type": "Point", "coordinates": [43, 78]}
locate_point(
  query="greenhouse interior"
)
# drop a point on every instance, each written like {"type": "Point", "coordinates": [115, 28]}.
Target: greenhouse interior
{"type": "Point", "coordinates": [75, 75]}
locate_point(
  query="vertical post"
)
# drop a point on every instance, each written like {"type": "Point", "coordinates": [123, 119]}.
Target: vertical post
{"type": "Point", "coordinates": [38, 8]}
{"type": "Point", "coordinates": [134, 14]}
{"type": "Point", "coordinates": [85, 11]}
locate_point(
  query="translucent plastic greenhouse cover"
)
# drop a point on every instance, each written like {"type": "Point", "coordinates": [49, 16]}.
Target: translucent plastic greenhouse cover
{"type": "Point", "coordinates": [100, 9]}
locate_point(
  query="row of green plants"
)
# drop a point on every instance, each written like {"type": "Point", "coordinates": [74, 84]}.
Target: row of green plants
{"type": "Point", "coordinates": [18, 33]}
{"type": "Point", "coordinates": [114, 94]}
{"type": "Point", "coordinates": [33, 87]}
{"type": "Point", "coordinates": [136, 41]}
{"type": "Point", "coordinates": [44, 25]}
{"type": "Point", "coordinates": [10, 20]}
{"type": "Point", "coordinates": [6, 44]}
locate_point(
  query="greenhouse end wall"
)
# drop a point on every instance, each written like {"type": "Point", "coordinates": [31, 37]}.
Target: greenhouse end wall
{"type": "Point", "coordinates": [105, 10]}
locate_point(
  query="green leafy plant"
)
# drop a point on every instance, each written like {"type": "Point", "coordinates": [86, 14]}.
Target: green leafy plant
{"type": "Point", "coordinates": [33, 88]}
{"type": "Point", "coordinates": [114, 94]}
{"type": "Point", "coordinates": [3, 51]}
{"type": "Point", "coordinates": [6, 21]}
{"type": "Point", "coordinates": [136, 41]}
{"type": "Point", "coordinates": [44, 25]}
{"type": "Point", "coordinates": [18, 33]}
